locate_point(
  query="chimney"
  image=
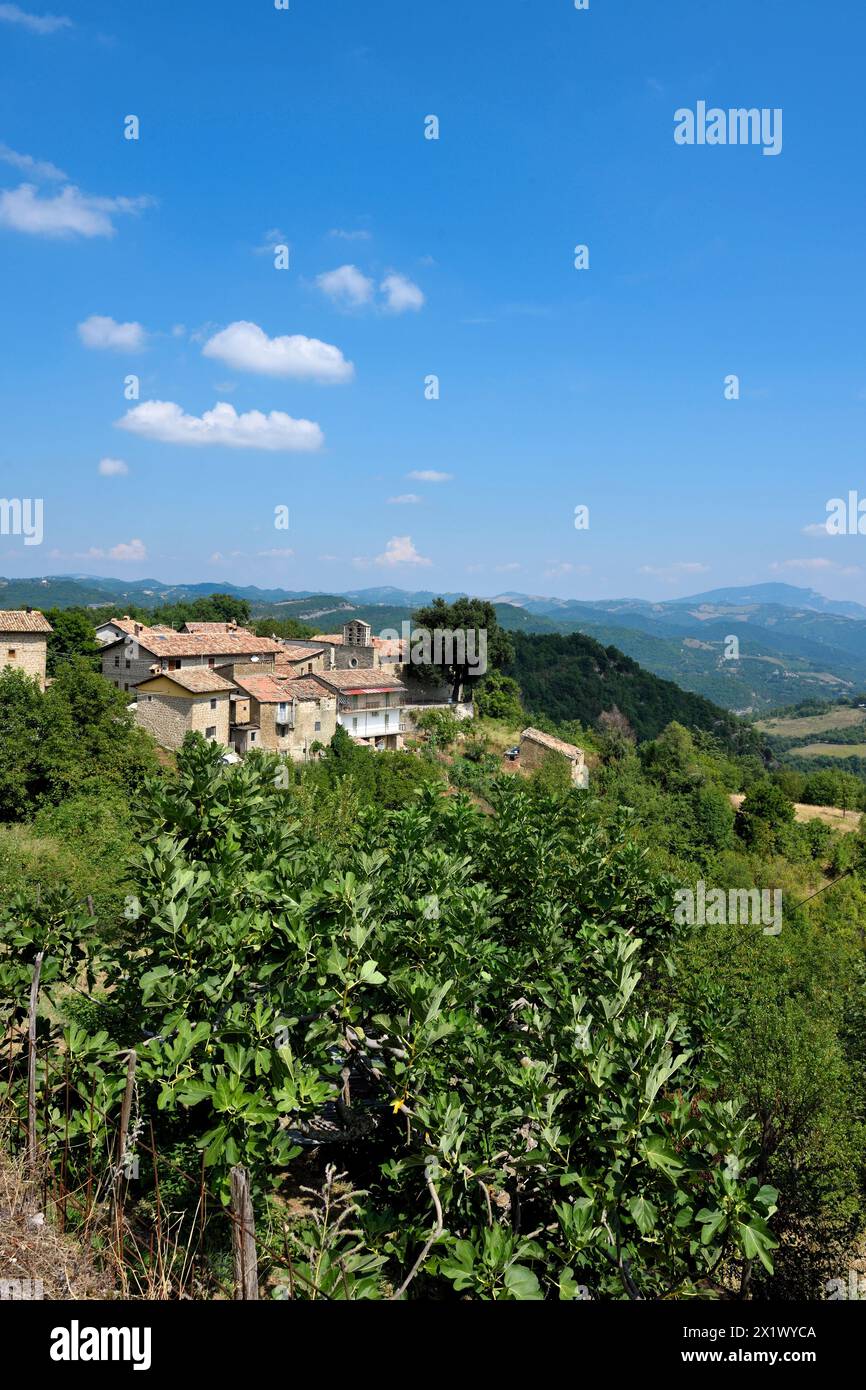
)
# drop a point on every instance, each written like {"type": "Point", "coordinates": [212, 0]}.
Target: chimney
{"type": "Point", "coordinates": [28, 609]}
{"type": "Point", "coordinates": [137, 628]}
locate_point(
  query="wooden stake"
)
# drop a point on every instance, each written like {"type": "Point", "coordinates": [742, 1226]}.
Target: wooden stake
{"type": "Point", "coordinates": [244, 1237]}
{"type": "Point", "coordinates": [125, 1111]}
{"type": "Point", "coordinates": [120, 1172]}
{"type": "Point", "coordinates": [32, 1148]}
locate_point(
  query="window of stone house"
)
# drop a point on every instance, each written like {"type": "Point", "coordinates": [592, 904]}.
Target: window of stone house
{"type": "Point", "coordinates": [318, 726]}
{"type": "Point", "coordinates": [252, 736]}
{"type": "Point", "coordinates": [117, 661]}
{"type": "Point", "coordinates": [129, 665]}
{"type": "Point", "coordinates": [12, 652]}
{"type": "Point", "coordinates": [211, 732]}
{"type": "Point", "coordinates": [213, 704]}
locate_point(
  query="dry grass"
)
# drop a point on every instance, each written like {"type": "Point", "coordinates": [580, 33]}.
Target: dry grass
{"type": "Point", "coordinates": [830, 750]}
{"type": "Point", "coordinates": [808, 725]}
{"type": "Point", "coordinates": [848, 821]}
{"type": "Point", "coordinates": [32, 1248]}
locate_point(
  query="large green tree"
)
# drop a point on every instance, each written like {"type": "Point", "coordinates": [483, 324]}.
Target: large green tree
{"type": "Point", "coordinates": [475, 621]}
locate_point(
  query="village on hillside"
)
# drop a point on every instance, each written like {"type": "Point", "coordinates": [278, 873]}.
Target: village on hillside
{"type": "Point", "coordinates": [284, 696]}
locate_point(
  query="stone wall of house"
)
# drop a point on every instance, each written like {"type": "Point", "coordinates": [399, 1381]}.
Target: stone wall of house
{"type": "Point", "coordinates": [166, 717]}
{"type": "Point", "coordinates": [296, 742]}
{"type": "Point", "coordinates": [169, 718]}
{"type": "Point", "coordinates": [30, 653]}
{"type": "Point", "coordinates": [320, 661]}
{"type": "Point", "coordinates": [533, 754]}
{"type": "Point", "coordinates": [124, 669]}
{"type": "Point", "coordinates": [350, 658]}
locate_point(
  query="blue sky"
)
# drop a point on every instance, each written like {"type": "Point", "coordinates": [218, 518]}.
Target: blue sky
{"type": "Point", "coordinates": [558, 387]}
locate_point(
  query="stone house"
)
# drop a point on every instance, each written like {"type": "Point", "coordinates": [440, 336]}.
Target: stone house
{"type": "Point", "coordinates": [286, 716]}
{"type": "Point", "coordinates": [536, 747]}
{"type": "Point", "coordinates": [123, 627]}
{"type": "Point", "coordinates": [130, 659]}
{"type": "Point", "coordinates": [24, 642]}
{"type": "Point", "coordinates": [172, 704]}
{"type": "Point", "coordinates": [301, 659]}
{"type": "Point", "coordinates": [368, 705]}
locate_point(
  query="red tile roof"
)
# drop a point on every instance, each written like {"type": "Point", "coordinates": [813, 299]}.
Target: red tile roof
{"type": "Point", "coordinates": [209, 629]}
{"type": "Point", "coordinates": [270, 690]}
{"type": "Point", "coordinates": [165, 642]}
{"type": "Point", "coordinates": [19, 621]}
{"type": "Point", "coordinates": [197, 679]}
{"type": "Point", "coordinates": [358, 682]}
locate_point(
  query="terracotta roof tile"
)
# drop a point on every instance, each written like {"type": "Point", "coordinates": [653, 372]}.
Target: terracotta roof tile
{"type": "Point", "coordinates": [197, 679]}
{"type": "Point", "coordinates": [165, 642]}
{"type": "Point", "coordinates": [366, 679]}
{"type": "Point", "coordinates": [269, 690]}
{"type": "Point", "coordinates": [19, 621]}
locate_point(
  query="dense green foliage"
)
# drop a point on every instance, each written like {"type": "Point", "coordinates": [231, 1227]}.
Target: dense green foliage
{"type": "Point", "coordinates": [77, 737]}
{"type": "Point", "coordinates": [468, 999]}
{"type": "Point", "coordinates": [352, 976]}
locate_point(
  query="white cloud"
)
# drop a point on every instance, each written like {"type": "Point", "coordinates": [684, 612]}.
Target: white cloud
{"type": "Point", "coordinates": [67, 213]}
{"type": "Point", "coordinates": [112, 468]}
{"type": "Point", "coordinates": [36, 23]}
{"type": "Point", "coordinates": [566, 567]}
{"type": "Point", "coordinates": [401, 551]}
{"type": "Point", "coordinates": [406, 499]}
{"type": "Point", "coordinates": [247, 348]}
{"type": "Point", "coordinates": [277, 553]}
{"type": "Point", "coordinates": [216, 558]}
{"type": "Point", "coordinates": [36, 168]}
{"type": "Point", "coordinates": [429, 475]}
{"type": "Point", "coordinates": [815, 563]}
{"type": "Point", "coordinates": [508, 568]}
{"type": "Point", "coordinates": [272, 239]}
{"type": "Point", "coordinates": [346, 285]}
{"type": "Point", "coordinates": [401, 294]}
{"type": "Point", "coordinates": [359, 235]}
{"type": "Point", "coordinates": [275, 432]}
{"type": "Point", "coordinates": [102, 332]}
{"type": "Point", "coordinates": [131, 550]}
{"type": "Point", "coordinates": [818, 528]}
{"type": "Point", "coordinates": [671, 572]}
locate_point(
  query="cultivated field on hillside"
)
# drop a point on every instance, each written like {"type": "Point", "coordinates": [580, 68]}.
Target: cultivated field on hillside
{"type": "Point", "coordinates": [808, 725]}
{"type": "Point", "coordinates": [830, 750]}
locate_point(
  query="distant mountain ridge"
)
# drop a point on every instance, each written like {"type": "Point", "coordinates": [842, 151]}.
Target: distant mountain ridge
{"type": "Point", "coordinates": [794, 643]}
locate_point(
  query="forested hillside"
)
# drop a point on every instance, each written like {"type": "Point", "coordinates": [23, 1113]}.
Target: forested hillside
{"type": "Point", "coordinates": [574, 677]}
